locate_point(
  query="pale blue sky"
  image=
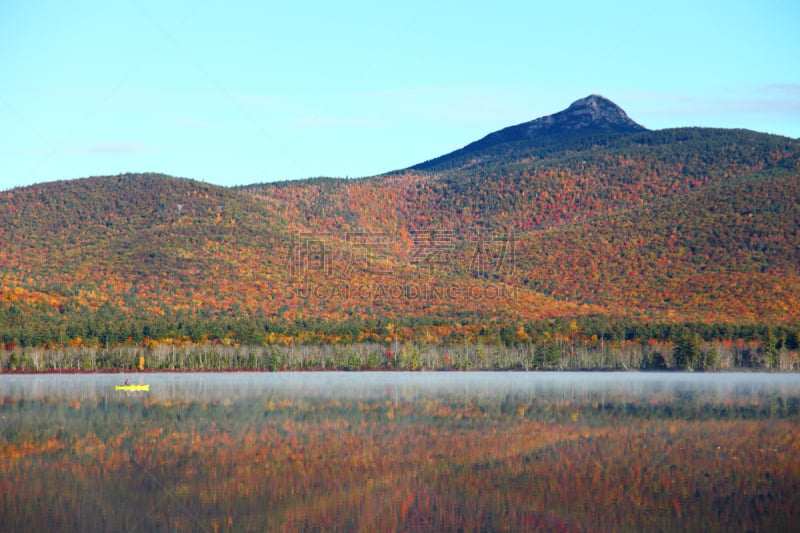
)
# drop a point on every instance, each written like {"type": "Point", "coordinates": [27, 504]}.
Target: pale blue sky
{"type": "Point", "coordinates": [242, 92]}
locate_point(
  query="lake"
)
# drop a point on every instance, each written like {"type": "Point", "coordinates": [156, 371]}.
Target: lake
{"type": "Point", "coordinates": [401, 451]}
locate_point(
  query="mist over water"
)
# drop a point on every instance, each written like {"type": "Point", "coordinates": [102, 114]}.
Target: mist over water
{"type": "Point", "coordinates": [233, 386]}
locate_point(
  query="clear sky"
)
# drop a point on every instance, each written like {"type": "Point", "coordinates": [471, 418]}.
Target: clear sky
{"type": "Point", "coordinates": [241, 92]}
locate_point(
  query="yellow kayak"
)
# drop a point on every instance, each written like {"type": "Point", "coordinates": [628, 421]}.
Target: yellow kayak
{"type": "Point", "coordinates": [133, 387]}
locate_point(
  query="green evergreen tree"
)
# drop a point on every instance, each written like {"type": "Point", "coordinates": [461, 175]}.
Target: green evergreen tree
{"type": "Point", "coordinates": [686, 352]}
{"type": "Point", "coordinates": [769, 351]}
{"type": "Point", "coordinates": [792, 340]}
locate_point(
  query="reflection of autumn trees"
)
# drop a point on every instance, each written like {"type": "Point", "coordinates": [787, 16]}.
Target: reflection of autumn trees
{"type": "Point", "coordinates": [279, 463]}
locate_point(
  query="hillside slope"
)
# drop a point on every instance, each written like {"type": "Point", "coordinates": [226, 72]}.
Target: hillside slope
{"type": "Point", "coordinates": [726, 251]}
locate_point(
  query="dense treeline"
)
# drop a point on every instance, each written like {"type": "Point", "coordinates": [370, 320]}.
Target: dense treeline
{"type": "Point", "coordinates": [112, 326]}
{"type": "Point", "coordinates": [112, 338]}
{"type": "Point", "coordinates": [687, 354]}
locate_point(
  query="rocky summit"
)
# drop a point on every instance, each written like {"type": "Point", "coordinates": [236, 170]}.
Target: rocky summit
{"type": "Point", "coordinates": [592, 115]}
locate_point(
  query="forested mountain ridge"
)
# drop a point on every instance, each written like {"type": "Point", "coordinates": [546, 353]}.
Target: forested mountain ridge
{"type": "Point", "coordinates": [590, 116]}
{"type": "Point", "coordinates": [581, 214]}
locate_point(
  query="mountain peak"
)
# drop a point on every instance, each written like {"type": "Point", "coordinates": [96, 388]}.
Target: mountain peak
{"type": "Point", "coordinates": [593, 100]}
{"type": "Point", "coordinates": [595, 113]}
{"type": "Point", "coordinates": [591, 115]}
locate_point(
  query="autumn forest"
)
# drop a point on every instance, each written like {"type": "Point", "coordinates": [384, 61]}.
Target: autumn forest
{"type": "Point", "coordinates": [590, 240]}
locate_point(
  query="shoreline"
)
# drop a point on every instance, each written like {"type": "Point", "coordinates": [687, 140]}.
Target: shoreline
{"type": "Point", "coordinates": [19, 372]}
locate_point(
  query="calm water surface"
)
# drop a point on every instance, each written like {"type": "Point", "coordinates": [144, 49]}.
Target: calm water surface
{"type": "Point", "coordinates": [396, 451]}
